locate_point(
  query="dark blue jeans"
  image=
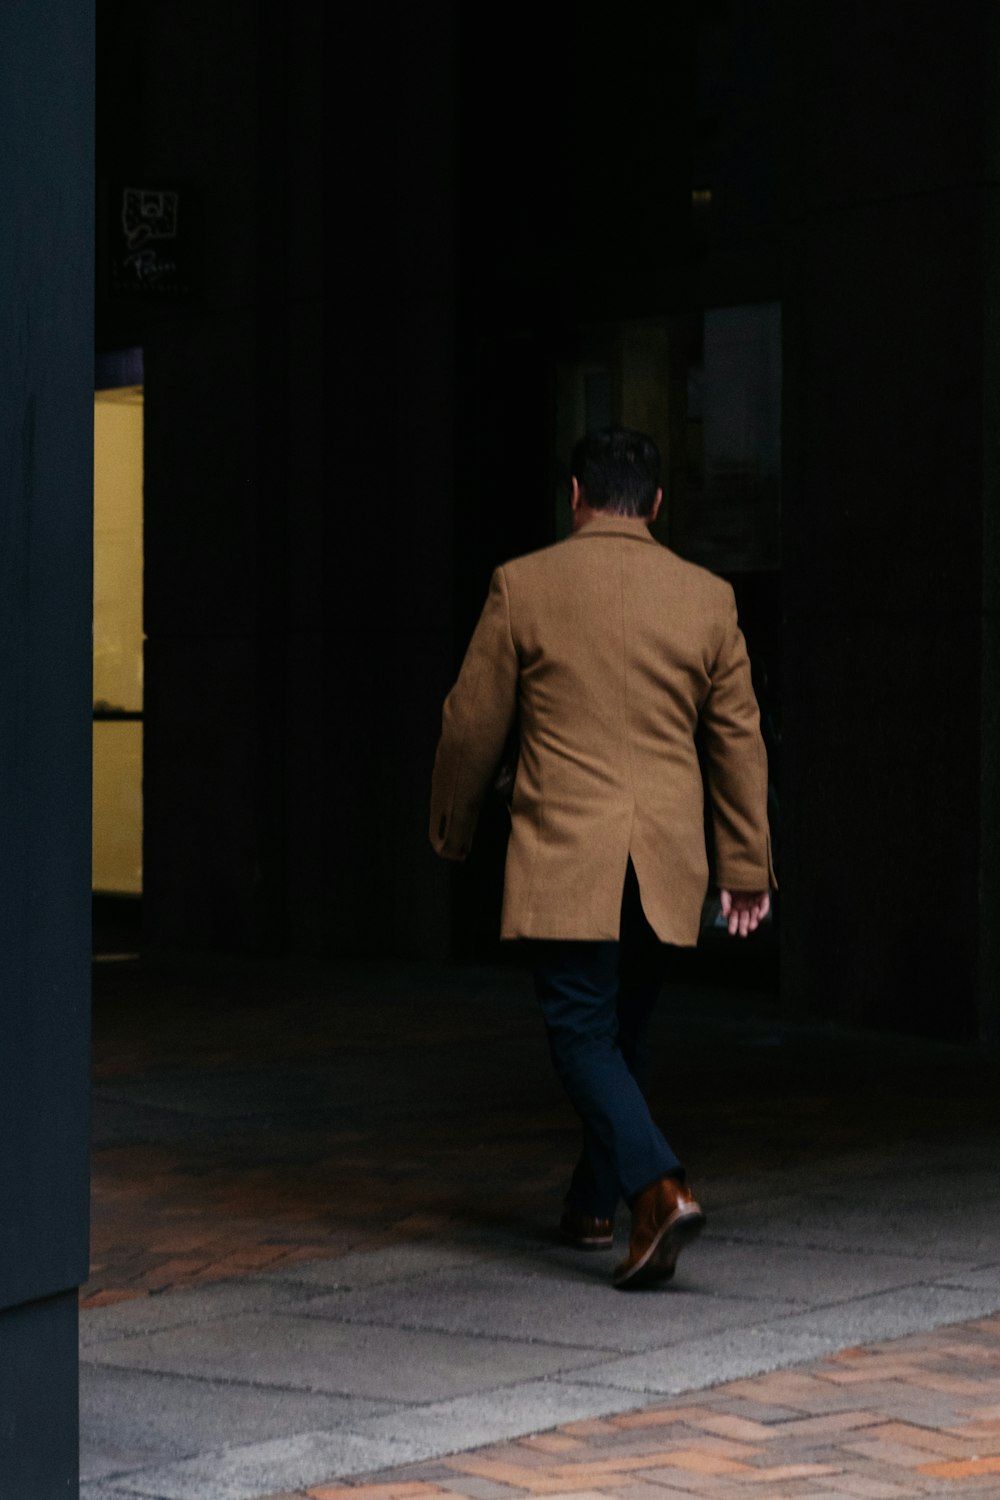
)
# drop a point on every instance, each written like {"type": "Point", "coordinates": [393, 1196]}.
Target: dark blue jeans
{"type": "Point", "coordinates": [597, 999]}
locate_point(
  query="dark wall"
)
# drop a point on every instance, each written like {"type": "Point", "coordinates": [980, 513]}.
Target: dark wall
{"type": "Point", "coordinates": [351, 423]}
{"type": "Point", "coordinates": [202, 96]}
{"type": "Point", "coordinates": [46, 536]}
{"type": "Point", "coordinates": [886, 427]}
{"type": "Point", "coordinates": [298, 468]}
{"type": "Point", "coordinates": [391, 472]}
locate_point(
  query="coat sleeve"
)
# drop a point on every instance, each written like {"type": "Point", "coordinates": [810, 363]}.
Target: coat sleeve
{"type": "Point", "coordinates": [736, 766]}
{"type": "Point", "coordinates": [478, 714]}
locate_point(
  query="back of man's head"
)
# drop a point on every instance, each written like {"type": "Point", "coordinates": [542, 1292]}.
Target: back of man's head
{"type": "Point", "coordinates": [618, 471]}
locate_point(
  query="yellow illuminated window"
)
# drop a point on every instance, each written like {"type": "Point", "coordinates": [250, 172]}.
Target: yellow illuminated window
{"type": "Point", "coordinates": [118, 641]}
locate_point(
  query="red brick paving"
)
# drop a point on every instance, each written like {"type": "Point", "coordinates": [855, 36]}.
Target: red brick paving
{"type": "Point", "coordinates": [229, 1198]}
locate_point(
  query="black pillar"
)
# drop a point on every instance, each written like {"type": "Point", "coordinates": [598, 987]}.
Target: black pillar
{"type": "Point", "coordinates": [46, 532]}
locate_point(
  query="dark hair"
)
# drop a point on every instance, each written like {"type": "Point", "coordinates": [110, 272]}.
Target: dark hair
{"type": "Point", "coordinates": [618, 471]}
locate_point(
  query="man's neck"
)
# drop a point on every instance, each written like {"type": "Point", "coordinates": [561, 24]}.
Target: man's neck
{"type": "Point", "coordinates": [584, 515]}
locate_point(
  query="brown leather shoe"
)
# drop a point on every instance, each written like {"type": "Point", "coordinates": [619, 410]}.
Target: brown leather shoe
{"type": "Point", "coordinates": [665, 1218]}
{"type": "Point", "coordinates": [584, 1230]}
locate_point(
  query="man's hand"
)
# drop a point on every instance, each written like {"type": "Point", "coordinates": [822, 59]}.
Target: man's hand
{"type": "Point", "coordinates": [744, 910]}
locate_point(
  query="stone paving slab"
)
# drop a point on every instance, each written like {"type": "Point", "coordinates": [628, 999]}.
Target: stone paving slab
{"type": "Point", "coordinates": [699, 1362]}
{"type": "Point", "coordinates": [498, 1302]}
{"type": "Point", "coordinates": [979, 1278]}
{"type": "Point", "coordinates": [449, 1426]}
{"type": "Point", "coordinates": [382, 1362]}
{"type": "Point", "coordinates": [903, 1310]}
{"type": "Point", "coordinates": [222, 1299]}
{"type": "Point", "coordinates": [236, 1473]}
{"type": "Point", "coordinates": [807, 1274]}
{"type": "Point", "coordinates": [133, 1418]}
{"type": "Point", "coordinates": [956, 1229]}
{"type": "Point", "coordinates": [100, 1490]}
{"type": "Point", "coordinates": [363, 1268]}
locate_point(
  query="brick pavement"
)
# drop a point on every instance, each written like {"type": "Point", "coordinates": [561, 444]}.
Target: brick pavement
{"type": "Point", "coordinates": [911, 1417]}
{"type": "Point", "coordinates": [214, 1163]}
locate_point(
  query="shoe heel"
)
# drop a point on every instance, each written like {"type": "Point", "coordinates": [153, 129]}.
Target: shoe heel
{"type": "Point", "coordinates": [680, 1234]}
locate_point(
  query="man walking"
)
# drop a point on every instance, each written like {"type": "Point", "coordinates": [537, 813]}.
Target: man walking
{"type": "Point", "coordinates": [610, 653]}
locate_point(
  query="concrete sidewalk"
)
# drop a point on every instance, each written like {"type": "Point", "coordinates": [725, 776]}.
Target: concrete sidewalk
{"type": "Point", "coordinates": [388, 1146]}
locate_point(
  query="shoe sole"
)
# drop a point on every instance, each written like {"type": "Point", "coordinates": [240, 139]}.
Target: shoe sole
{"type": "Point", "coordinates": [660, 1260]}
{"type": "Point", "coordinates": [581, 1244]}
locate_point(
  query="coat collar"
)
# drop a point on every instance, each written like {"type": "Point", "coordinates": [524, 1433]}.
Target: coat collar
{"type": "Point", "coordinates": [635, 527]}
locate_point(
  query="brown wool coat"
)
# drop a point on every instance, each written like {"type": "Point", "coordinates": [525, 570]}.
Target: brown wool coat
{"type": "Point", "coordinates": [612, 651]}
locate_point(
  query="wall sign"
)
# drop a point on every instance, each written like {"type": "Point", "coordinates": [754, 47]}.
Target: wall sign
{"type": "Point", "coordinates": [153, 238]}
